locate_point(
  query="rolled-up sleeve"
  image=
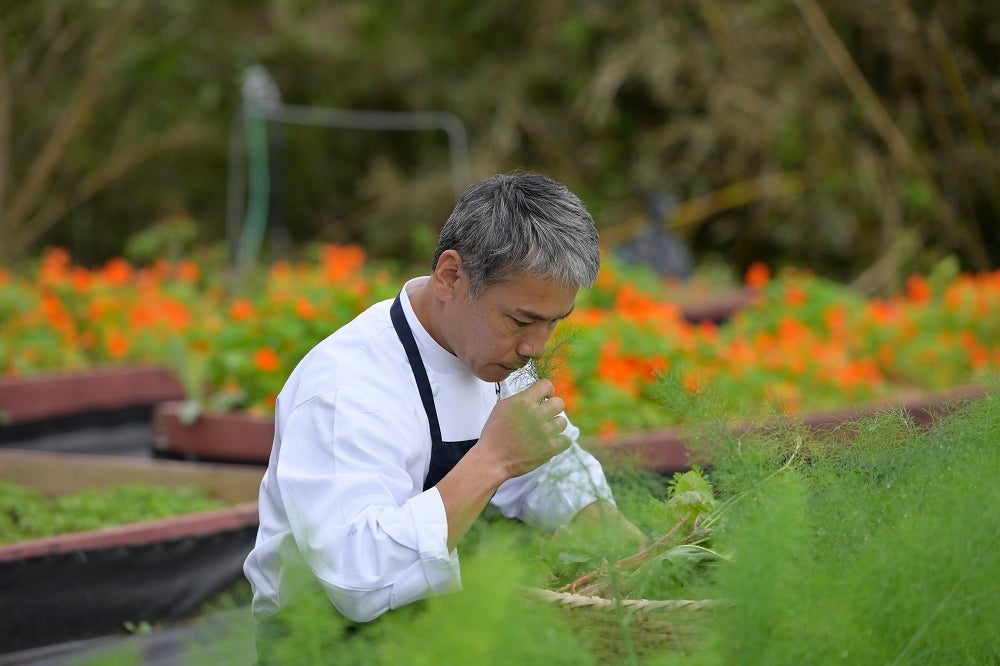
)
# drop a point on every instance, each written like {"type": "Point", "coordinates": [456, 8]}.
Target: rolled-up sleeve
{"type": "Point", "coordinates": [347, 480]}
{"type": "Point", "coordinates": [553, 493]}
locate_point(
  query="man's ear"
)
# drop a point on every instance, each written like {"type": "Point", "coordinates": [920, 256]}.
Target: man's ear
{"type": "Point", "coordinates": [448, 275]}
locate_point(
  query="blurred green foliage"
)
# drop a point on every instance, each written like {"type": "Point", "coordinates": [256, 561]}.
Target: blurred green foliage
{"type": "Point", "coordinates": [26, 513]}
{"type": "Point", "coordinates": [854, 138]}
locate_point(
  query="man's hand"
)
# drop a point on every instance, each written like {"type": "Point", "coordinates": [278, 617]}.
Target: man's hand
{"type": "Point", "coordinates": [525, 430]}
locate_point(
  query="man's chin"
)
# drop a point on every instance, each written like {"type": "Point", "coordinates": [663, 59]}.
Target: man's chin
{"type": "Point", "coordinates": [495, 372]}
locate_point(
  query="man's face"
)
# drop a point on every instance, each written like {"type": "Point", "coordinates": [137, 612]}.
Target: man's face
{"type": "Point", "coordinates": [506, 324]}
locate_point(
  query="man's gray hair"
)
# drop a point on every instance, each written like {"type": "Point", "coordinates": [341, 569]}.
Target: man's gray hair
{"type": "Point", "coordinates": [522, 223]}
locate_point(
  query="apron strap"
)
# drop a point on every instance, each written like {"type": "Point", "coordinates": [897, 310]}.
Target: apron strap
{"type": "Point", "coordinates": [417, 366]}
{"type": "Point", "coordinates": [444, 455]}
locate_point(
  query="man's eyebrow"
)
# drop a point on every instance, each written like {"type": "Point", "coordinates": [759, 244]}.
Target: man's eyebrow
{"type": "Point", "coordinates": [528, 314]}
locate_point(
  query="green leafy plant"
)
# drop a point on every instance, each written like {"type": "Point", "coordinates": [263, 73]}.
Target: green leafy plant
{"type": "Point", "coordinates": [26, 513]}
{"type": "Point", "coordinates": [866, 543]}
{"type": "Point", "coordinates": [870, 543]}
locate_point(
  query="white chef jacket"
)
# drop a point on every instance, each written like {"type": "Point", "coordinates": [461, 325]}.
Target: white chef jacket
{"type": "Point", "coordinates": [343, 490]}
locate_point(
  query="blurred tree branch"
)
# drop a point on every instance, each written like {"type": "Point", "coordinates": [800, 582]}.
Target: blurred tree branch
{"type": "Point", "coordinates": [103, 175]}
{"type": "Point", "coordinates": [57, 178]}
{"type": "Point", "coordinates": [68, 125]}
{"type": "Point", "coordinates": [967, 110]}
{"type": "Point", "coordinates": [967, 236]}
{"type": "Point", "coordinates": [735, 195]}
{"type": "Point", "coordinates": [4, 127]}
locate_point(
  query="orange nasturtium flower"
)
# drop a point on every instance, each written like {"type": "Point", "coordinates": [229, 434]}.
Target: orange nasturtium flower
{"type": "Point", "coordinates": [641, 308]}
{"type": "Point", "coordinates": [835, 318]}
{"type": "Point", "coordinates": [342, 261]}
{"type": "Point", "coordinates": [607, 430]}
{"type": "Point", "coordinates": [81, 279]}
{"type": "Point", "coordinates": [757, 275]}
{"type": "Point", "coordinates": [918, 289]}
{"type": "Point", "coordinates": [266, 359]}
{"type": "Point", "coordinates": [280, 269]}
{"type": "Point", "coordinates": [159, 271]}
{"type": "Point", "coordinates": [786, 396]}
{"type": "Point", "coordinates": [241, 310]}
{"type": "Point", "coordinates": [188, 271]}
{"type": "Point", "coordinates": [117, 345]}
{"type": "Point", "coordinates": [175, 315]}
{"type": "Point", "coordinates": [117, 271]}
{"type": "Point", "coordinates": [304, 308]}
{"type": "Point", "coordinates": [794, 295]}
{"type": "Point", "coordinates": [57, 314]}
{"type": "Point", "coordinates": [589, 316]}
{"type": "Point", "coordinates": [792, 332]}
{"type": "Point", "coordinates": [562, 382]}
{"type": "Point", "coordinates": [143, 315]}
{"type": "Point", "coordinates": [883, 312]}
{"type": "Point", "coordinates": [55, 265]}
{"type": "Point", "coordinates": [617, 369]}
{"type": "Point", "coordinates": [693, 380]}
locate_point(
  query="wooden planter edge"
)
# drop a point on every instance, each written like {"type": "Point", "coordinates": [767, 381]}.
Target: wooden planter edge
{"type": "Point", "coordinates": [29, 399]}
{"type": "Point", "coordinates": [669, 449]}
{"type": "Point", "coordinates": [133, 534]}
{"type": "Point", "coordinates": [56, 473]}
{"type": "Point", "coordinates": [226, 436]}
{"type": "Point", "coordinates": [240, 437]}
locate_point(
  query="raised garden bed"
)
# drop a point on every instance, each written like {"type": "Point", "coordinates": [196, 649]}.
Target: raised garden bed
{"type": "Point", "coordinates": [226, 437]}
{"type": "Point", "coordinates": [668, 450]}
{"type": "Point", "coordinates": [86, 584]}
{"type": "Point", "coordinates": [33, 406]}
{"type": "Point", "coordinates": [245, 438]}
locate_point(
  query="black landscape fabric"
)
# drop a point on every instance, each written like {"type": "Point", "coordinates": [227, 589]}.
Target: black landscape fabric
{"type": "Point", "coordinates": [70, 596]}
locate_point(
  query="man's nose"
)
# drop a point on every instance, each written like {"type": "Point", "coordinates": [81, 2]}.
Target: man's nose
{"type": "Point", "coordinates": [532, 343]}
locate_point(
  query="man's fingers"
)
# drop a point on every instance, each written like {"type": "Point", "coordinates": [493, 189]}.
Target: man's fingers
{"type": "Point", "coordinates": [562, 443]}
{"type": "Point", "coordinates": [553, 406]}
{"type": "Point", "coordinates": [539, 391]}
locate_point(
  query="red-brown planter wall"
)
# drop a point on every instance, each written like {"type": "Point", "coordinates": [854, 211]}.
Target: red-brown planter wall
{"type": "Point", "coordinates": [668, 450]}
{"type": "Point", "coordinates": [244, 438]}
{"type": "Point", "coordinates": [230, 436]}
{"type": "Point", "coordinates": [27, 399]}
{"type": "Point", "coordinates": [715, 306]}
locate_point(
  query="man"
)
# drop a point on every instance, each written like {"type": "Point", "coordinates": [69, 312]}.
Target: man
{"type": "Point", "coordinates": [393, 434]}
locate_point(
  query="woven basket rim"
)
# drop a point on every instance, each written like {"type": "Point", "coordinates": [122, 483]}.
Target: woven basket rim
{"type": "Point", "coordinates": [579, 600]}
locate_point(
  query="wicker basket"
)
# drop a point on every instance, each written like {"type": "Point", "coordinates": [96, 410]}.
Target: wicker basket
{"type": "Point", "coordinates": [637, 626]}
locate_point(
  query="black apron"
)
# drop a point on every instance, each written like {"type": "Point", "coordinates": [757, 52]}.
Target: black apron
{"type": "Point", "coordinates": [273, 630]}
{"type": "Point", "coordinates": [444, 455]}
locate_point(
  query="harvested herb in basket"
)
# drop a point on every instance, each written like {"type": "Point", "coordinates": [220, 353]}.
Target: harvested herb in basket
{"type": "Point", "coordinates": [584, 562]}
